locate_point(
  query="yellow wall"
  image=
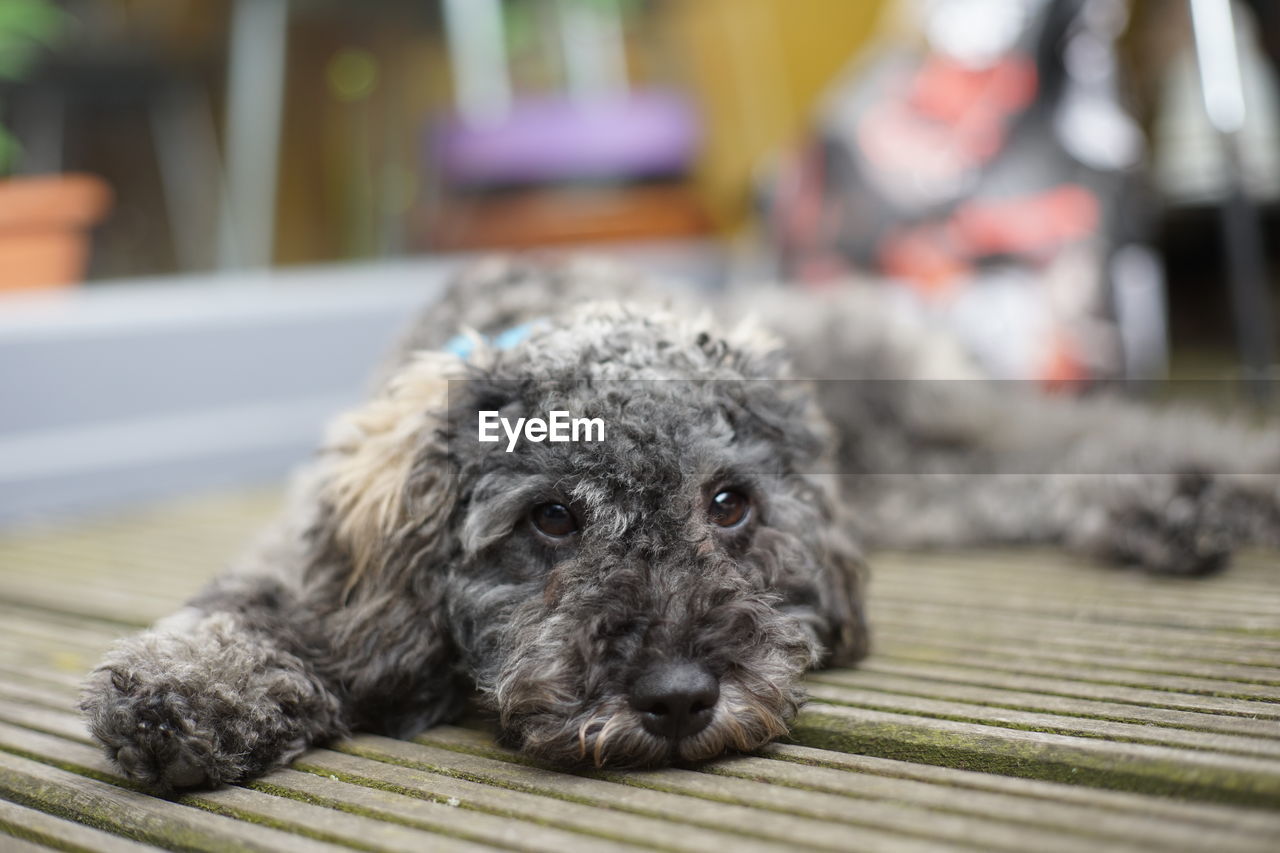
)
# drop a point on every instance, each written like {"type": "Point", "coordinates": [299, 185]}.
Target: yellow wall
{"type": "Point", "coordinates": [760, 67]}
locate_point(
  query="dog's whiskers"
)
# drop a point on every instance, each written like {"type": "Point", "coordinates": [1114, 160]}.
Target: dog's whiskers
{"type": "Point", "coordinates": [603, 737]}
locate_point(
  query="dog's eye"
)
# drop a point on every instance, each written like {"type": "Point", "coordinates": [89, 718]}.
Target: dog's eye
{"type": "Point", "coordinates": [555, 521]}
{"type": "Point", "coordinates": [728, 508]}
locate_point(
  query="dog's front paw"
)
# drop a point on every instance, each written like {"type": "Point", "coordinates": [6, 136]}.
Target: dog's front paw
{"type": "Point", "coordinates": [154, 734]}
{"type": "Point", "coordinates": [214, 706]}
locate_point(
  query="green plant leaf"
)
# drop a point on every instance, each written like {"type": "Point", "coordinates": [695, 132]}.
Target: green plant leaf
{"type": "Point", "coordinates": [10, 152]}
{"type": "Point", "coordinates": [27, 26]}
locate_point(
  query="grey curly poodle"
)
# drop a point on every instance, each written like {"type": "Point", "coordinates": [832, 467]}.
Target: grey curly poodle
{"type": "Point", "coordinates": [654, 596]}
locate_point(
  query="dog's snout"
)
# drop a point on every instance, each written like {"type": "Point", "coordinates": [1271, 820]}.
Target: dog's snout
{"type": "Point", "coordinates": [675, 699]}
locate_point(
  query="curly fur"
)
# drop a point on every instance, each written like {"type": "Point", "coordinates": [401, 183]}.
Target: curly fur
{"type": "Point", "coordinates": [404, 580]}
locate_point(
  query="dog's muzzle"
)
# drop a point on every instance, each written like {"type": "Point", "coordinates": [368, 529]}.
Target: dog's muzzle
{"type": "Point", "coordinates": [675, 699]}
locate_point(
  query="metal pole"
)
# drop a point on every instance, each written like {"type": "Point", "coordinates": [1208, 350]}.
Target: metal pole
{"type": "Point", "coordinates": [478, 56]}
{"type": "Point", "coordinates": [1223, 90]}
{"type": "Point", "coordinates": [255, 104]}
{"type": "Point", "coordinates": [595, 50]}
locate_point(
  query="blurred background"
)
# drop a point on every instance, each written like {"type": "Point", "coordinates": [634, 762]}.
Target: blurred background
{"type": "Point", "coordinates": [214, 214]}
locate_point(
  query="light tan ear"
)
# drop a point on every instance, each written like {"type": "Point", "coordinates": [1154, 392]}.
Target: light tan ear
{"type": "Point", "coordinates": [369, 455]}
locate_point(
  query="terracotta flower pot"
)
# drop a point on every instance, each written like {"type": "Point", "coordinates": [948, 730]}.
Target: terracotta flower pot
{"type": "Point", "coordinates": [44, 229]}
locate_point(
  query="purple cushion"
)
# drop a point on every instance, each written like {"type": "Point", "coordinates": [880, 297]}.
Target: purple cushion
{"type": "Point", "coordinates": [553, 138]}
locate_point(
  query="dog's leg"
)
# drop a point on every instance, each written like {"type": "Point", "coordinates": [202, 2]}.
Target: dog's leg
{"type": "Point", "coordinates": [933, 456]}
{"type": "Point", "coordinates": [220, 691]}
{"type": "Point", "coordinates": [1174, 491]}
{"type": "Point", "coordinates": [333, 621]}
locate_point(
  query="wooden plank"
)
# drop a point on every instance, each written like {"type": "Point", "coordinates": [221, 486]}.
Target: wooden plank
{"type": "Point", "coordinates": [19, 845]}
{"type": "Point", "coordinates": [94, 563]}
{"type": "Point", "coordinates": [65, 680]}
{"type": "Point", "coordinates": [31, 692]}
{"type": "Point", "coordinates": [917, 615]}
{"type": "Point", "coordinates": [317, 821]}
{"type": "Point", "coordinates": [1190, 774]}
{"type": "Point", "coordinates": [1072, 826]}
{"type": "Point", "coordinates": [105, 601]}
{"type": "Point", "coordinates": [252, 806]}
{"type": "Point", "coordinates": [1110, 730]}
{"type": "Point", "coordinates": [64, 743]}
{"type": "Point", "coordinates": [1051, 686]}
{"type": "Point", "coordinates": [37, 719]}
{"type": "Point", "coordinates": [40, 828]}
{"type": "Point", "coordinates": [44, 662]}
{"type": "Point", "coordinates": [1255, 822]}
{"type": "Point", "coordinates": [1187, 617]}
{"type": "Point", "coordinates": [1011, 661]}
{"type": "Point", "coordinates": [1020, 700]}
{"type": "Point", "coordinates": [1099, 643]}
{"type": "Point", "coordinates": [56, 661]}
{"type": "Point", "coordinates": [1250, 823]}
{"type": "Point", "coordinates": [1097, 602]}
{"type": "Point", "coordinates": [1251, 675]}
{"type": "Point", "coordinates": [137, 815]}
{"type": "Point", "coordinates": [906, 819]}
{"type": "Point", "coordinates": [679, 816]}
{"type": "Point", "coordinates": [216, 522]}
{"type": "Point", "coordinates": [29, 631]}
{"type": "Point", "coordinates": [45, 627]}
{"type": "Point", "coordinates": [69, 726]}
{"type": "Point", "coordinates": [440, 815]}
{"type": "Point", "coordinates": [875, 816]}
{"type": "Point", "coordinates": [1002, 818]}
{"type": "Point", "coordinates": [662, 819]}
{"type": "Point", "coordinates": [451, 815]}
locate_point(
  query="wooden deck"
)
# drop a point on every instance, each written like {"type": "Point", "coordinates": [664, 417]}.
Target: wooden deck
{"type": "Point", "coordinates": [1015, 701]}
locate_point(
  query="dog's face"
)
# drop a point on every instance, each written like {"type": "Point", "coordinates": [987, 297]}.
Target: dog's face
{"type": "Point", "coordinates": [655, 595]}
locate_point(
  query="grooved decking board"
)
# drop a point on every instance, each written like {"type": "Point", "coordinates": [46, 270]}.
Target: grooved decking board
{"type": "Point", "coordinates": [37, 826]}
{"type": "Point", "coordinates": [1014, 700]}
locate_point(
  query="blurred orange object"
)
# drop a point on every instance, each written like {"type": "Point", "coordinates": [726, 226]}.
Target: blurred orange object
{"type": "Point", "coordinates": [526, 219]}
{"type": "Point", "coordinates": [44, 228]}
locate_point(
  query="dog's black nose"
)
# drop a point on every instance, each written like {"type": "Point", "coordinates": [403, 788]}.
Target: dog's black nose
{"type": "Point", "coordinates": [675, 699]}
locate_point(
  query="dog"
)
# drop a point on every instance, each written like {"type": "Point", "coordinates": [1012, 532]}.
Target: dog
{"type": "Point", "coordinates": [653, 596]}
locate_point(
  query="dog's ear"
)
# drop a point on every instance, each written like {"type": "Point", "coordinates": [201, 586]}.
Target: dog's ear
{"type": "Point", "coordinates": [387, 493]}
{"type": "Point", "coordinates": [840, 597]}
{"type": "Point", "coordinates": [384, 474]}
{"type": "Point", "coordinates": [787, 411]}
